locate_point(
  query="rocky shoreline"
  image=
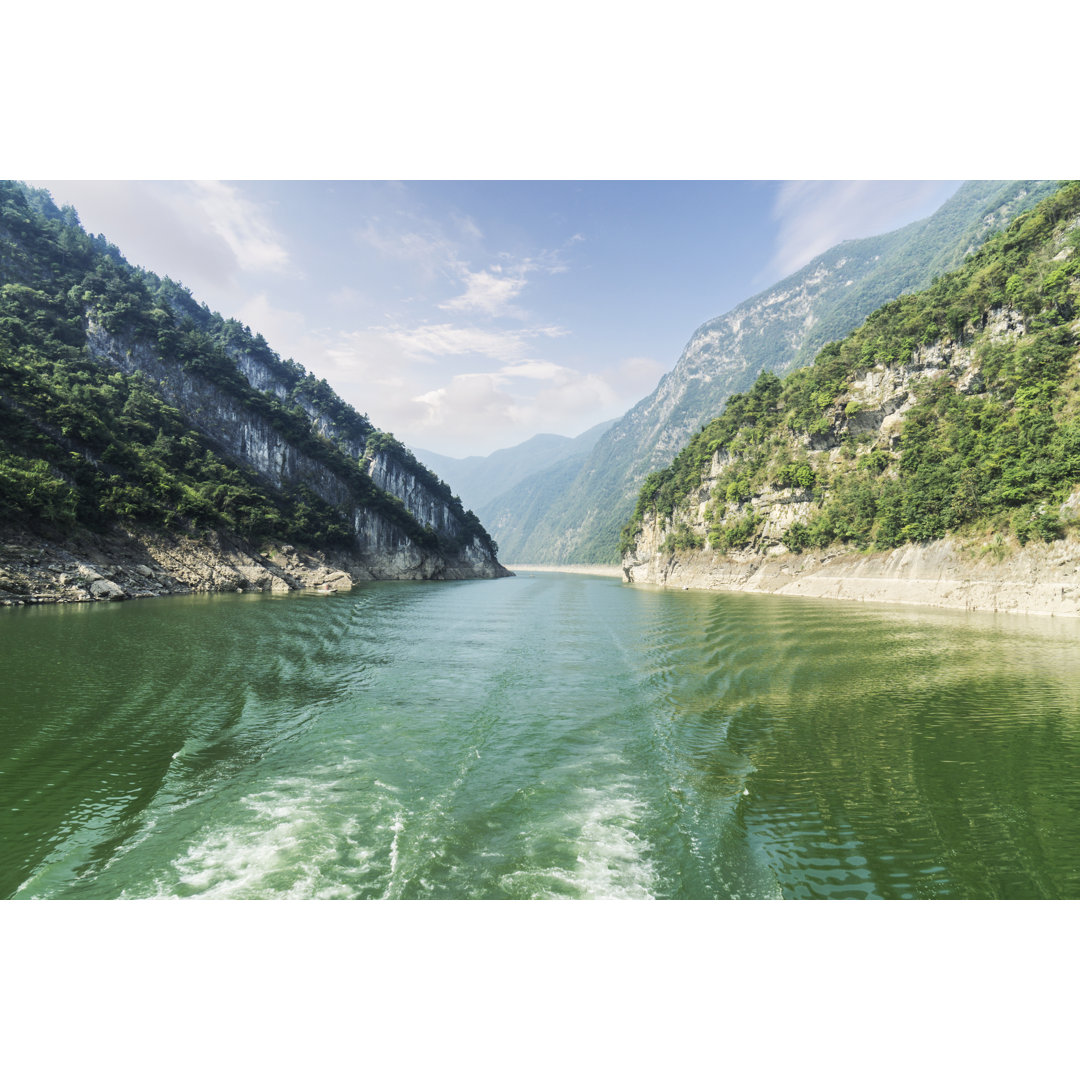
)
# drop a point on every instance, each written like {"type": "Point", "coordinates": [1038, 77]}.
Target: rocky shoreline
{"type": "Point", "coordinates": [128, 564]}
{"type": "Point", "coordinates": [997, 576]}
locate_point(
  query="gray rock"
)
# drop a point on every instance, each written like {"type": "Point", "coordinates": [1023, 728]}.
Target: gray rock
{"type": "Point", "coordinates": [103, 589]}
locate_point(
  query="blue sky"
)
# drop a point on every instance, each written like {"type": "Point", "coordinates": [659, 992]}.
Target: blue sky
{"type": "Point", "coordinates": [469, 316]}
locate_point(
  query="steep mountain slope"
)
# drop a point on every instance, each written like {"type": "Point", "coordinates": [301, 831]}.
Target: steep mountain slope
{"type": "Point", "coordinates": [480, 480]}
{"type": "Point", "coordinates": [520, 513]}
{"type": "Point", "coordinates": [777, 330]}
{"type": "Point", "coordinates": [126, 404]}
{"type": "Point", "coordinates": [951, 413]}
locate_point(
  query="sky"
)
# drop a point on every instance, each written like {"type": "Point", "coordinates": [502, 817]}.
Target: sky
{"type": "Point", "coordinates": [466, 316]}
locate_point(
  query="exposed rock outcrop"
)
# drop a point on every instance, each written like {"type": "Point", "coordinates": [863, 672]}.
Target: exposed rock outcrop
{"type": "Point", "coordinates": [129, 564]}
{"type": "Point", "coordinates": [1038, 579]}
{"type": "Point", "coordinates": [383, 549]}
{"type": "Point", "coordinates": [992, 574]}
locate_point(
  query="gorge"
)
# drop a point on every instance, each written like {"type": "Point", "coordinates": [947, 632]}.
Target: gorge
{"type": "Point", "coordinates": [355, 699]}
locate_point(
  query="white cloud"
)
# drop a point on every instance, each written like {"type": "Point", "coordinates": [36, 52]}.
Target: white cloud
{"type": "Point", "coordinates": [204, 235]}
{"type": "Point", "coordinates": [477, 412]}
{"type": "Point", "coordinates": [468, 400]}
{"type": "Point", "coordinates": [814, 215]}
{"type": "Point", "coordinates": [431, 385]}
{"type": "Point", "coordinates": [490, 292]}
{"type": "Point", "coordinates": [242, 225]}
{"type": "Point", "coordinates": [440, 254]}
{"type": "Point", "coordinates": [431, 341]}
{"type": "Point", "coordinates": [487, 291]}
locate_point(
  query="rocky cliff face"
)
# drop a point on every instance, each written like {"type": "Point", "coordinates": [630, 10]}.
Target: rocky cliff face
{"type": "Point", "coordinates": [134, 417]}
{"type": "Point", "coordinates": [870, 413]}
{"type": "Point", "coordinates": [982, 574]}
{"type": "Point", "coordinates": [579, 517]}
{"type": "Point", "coordinates": [383, 549]}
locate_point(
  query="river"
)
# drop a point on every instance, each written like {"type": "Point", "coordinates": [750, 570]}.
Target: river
{"type": "Point", "coordinates": [545, 736]}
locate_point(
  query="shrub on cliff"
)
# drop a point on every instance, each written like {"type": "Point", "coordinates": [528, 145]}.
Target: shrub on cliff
{"type": "Point", "coordinates": [996, 455]}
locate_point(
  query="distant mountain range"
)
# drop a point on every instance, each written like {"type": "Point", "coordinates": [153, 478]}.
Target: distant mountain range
{"type": "Point", "coordinates": [481, 480]}
{"type": "Point", "coordinates": [572, 510]}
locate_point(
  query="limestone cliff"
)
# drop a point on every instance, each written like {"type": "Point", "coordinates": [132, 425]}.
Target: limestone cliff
{"type": "Point", "coordinates": [577, 514]}
{"type": "Point", "coordinates": [133, 417]}
{"type": "Point", "coordinates": [383, 548]}
{"type": "Point", "coordinates": [944, 470]}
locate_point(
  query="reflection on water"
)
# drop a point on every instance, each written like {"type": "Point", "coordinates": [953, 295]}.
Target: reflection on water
{"type": "Point", "coordinates": [888, 753]}
{"type": "Point", "coordinates": [551, 736]}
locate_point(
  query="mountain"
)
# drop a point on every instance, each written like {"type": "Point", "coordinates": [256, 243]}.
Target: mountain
{"type": "Point", "coordinates": [126, 407]}
{"type": "Point", "coordinates": [951, 416]}
{"type": "Point", "coordinates": [578, 517]}
{"type": "Point", "coordinates": [522, 512]}
{"type": "Point", "coordinates": [480, 480]}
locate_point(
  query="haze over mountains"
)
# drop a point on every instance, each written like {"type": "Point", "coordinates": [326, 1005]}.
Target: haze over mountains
{"type": "Point", "coordinates": [571, 509]}
{"type": "Point", "coordinates": [481, 480]}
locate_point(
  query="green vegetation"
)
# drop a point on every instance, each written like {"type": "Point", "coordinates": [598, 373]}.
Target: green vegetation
{"type": "Point", "coordinates": [82, 444]}
{"type": "Point", "coordinates": [911, 258]}
{"type": "Point", "coordinates": [998, 456]}
{"type": "Point", "coordinates": [576, 516]}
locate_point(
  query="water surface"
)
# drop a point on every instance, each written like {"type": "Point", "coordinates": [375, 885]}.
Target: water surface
{"type": "Point", "coordinates": [546, 736]}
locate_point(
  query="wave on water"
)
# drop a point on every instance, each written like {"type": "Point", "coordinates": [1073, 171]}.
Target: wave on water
{"type": "Point", "coordinates": [289, 844]}
{"type": "Point", "coordinates": [611, 860]}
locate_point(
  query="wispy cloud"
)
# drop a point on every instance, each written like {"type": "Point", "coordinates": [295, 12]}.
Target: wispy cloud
{"type": "Point", "coordinates": [487, 291]}
{"type": "Point", "coordinates": [413, 239]}
{"type": "Point", "coordinates": [814, 215]}
{"type": "Point", "coordinates": [242, 225]}
{"type": "Point", "coordinates": [452, 254]}
{"type": "Point", "coordinates": [490, 292]}
{"type": "Point", "coordinates": [433, 341]}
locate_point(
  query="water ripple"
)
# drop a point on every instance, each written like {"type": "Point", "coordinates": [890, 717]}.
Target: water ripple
{"type": "Point", "coordinates": [552, 737]}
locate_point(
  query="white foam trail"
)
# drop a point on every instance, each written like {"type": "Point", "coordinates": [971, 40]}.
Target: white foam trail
{"type": "Point", "coordinates": [280, 850]}
{"type": "Point", "coordinates": [613, 861]}
{"type": "Point", "coordinates": [395, 828]}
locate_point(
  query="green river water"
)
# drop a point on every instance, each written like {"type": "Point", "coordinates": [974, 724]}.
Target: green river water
{"type": "Point", "coordinates": [546, 736]}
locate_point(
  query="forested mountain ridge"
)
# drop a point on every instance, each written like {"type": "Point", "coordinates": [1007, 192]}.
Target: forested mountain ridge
{"type": "Point", "coordinates": [125, 402]}
{"type": "Point", "coordinates": [578, 517]}
{"type": "Point", "coordinates": [953, 412]}
{"type": "Point", "coordinates": [482, 480]}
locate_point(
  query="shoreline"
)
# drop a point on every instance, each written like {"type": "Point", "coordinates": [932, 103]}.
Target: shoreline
{"type": "Point", "coordinates": [598, 569]}
{"type": "Point", "coordinates": [1038, 579]}
{"type": "Point", "coordinates": [134, 564]}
